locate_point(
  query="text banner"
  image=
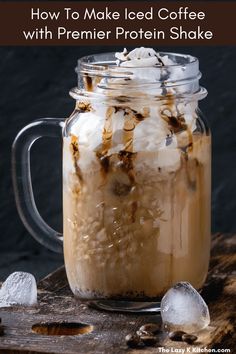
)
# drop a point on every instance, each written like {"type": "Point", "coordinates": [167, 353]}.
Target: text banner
{"type": "Point", "coordinates": [117, 23]}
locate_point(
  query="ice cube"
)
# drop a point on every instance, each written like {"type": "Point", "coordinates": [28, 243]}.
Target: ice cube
{"type": "Point", "coordinates": [183, 308]}
{"type": "Point", "coordinates": [19, 289]}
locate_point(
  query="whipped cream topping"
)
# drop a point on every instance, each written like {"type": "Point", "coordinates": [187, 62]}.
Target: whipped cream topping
{"type": "Point", "coordinates": [141, 57]}
{"type": "Point", "coordinates": [153, 133]}
{"type": "Point", "coordinates": [149, 66]}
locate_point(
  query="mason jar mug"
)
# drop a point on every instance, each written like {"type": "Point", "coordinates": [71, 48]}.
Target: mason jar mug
{"type": "Point", "coordinates": [136, 180]}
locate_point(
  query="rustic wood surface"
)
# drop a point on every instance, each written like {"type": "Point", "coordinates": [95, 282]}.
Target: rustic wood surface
{"type": "Point", "coordinates": [105, 332]}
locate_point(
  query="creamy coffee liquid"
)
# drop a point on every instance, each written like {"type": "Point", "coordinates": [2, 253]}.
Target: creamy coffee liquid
{"type": "Point", "coordinates": [136, 199]}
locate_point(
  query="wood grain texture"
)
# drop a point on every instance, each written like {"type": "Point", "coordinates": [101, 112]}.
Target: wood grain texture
{"type": "Point", "coordinates": [56, 303]}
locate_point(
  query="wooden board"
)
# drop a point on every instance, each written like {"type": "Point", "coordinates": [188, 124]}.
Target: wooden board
{"type": "Point", "coordinates": [108, 330]}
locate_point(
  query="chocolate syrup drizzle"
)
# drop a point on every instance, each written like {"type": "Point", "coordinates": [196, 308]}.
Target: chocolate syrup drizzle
{"type": "Point", "coordinates": [102, 151]}
{"type": "Point", "coordinates": [88, 81]}
{"type": "Point", "coordinates": [125, 156]}
{"type": "Point", "coordinates": [81, 107]}
{"type": "Point", "coordinates": [177, 125]}
{"type": "Point", "coordinates": [75, 153]}
{"type": "Point", "coordinates": [131, 119]}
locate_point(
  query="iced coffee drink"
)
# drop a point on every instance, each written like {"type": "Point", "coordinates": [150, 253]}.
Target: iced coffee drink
{"type": "Point", "coordinates": [136, 178]}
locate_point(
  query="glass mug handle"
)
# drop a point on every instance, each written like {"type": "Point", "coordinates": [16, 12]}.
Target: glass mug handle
{"type": "Point", "coordinates": [27, 209]}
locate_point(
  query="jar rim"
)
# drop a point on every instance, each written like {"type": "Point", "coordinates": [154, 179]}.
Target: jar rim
{"type": "Point", "coordinates": [104, 76]}
{"type": "Point", "coordinates": [102, 62]}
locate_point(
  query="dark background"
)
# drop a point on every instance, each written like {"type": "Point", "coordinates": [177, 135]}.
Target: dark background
{"type": "Point", "coordinates": [35, 82]}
